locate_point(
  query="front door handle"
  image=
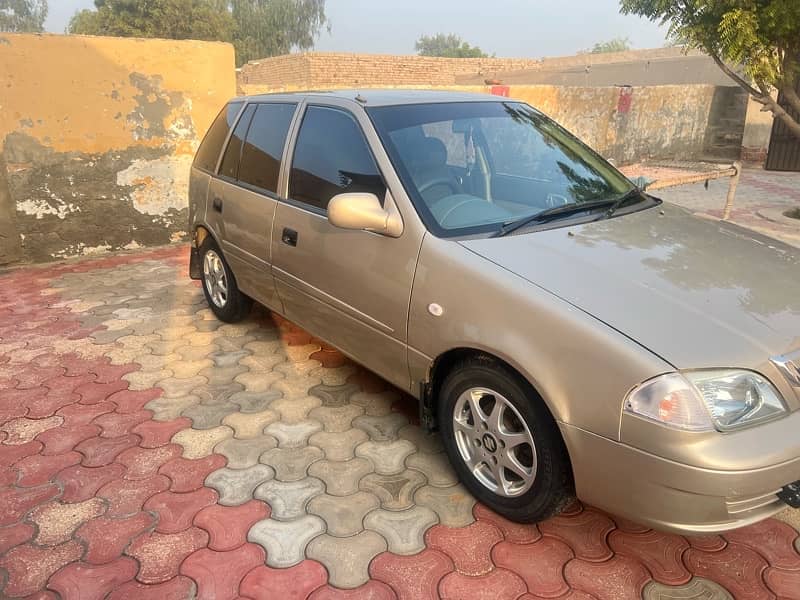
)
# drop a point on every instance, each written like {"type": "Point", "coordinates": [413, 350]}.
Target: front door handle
{"type": "Point", "coordinates": [289, 237]}
{"type": "Point", "coordinates": [216, 203]}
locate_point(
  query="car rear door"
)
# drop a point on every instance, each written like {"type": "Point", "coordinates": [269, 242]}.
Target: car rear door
{"type": "Point", "coordinates": [351, 288]}
{"type": "Point", "coordinates": [245, 195]}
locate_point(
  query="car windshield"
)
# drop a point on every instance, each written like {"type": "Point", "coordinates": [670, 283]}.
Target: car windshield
{"type": "Point", "coordinates": [475, 167]}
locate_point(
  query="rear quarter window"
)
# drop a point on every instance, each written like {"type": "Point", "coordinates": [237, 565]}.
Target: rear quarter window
{"type": "Point", "coordinates": [211, 146]}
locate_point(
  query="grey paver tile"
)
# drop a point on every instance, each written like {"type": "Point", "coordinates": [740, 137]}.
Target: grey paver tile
{"type": "Point", "coordinates": [289, 500]}
{"type": "Point", "coordinates": [429, 442]}
{"type": "Point", "coordinates": [296, 387]}
{"type": "Point", "coordinates": [208, 416]}
{"type": "Point", "coordinates": [295, 409]}
{"type": "Point", "coordinates": [388, 458]}
{"type": "Point", "coordinates": [254, 402]}
{"type": "Point", "coordinates": [376, 404]}
{"type": "Point", "coordinates": [232, 343]}
{"type": "Point", "coordinates": [144, 380]}
{"type": "Point", "coordinates": [341, 478]}
{"type": "Point", "coordinates": [260, 381]}
{"type": "Point", "coordinates": [153, 362]}
{"type": "Point", "coordinates": [344, 515]}
{"type": "Point", "coordinates": [339, 446]}
{"type": "Point", "coordinates": [216, 394]}
{"type": "Point", "coordinates": [242, 454]}
{"type": "Point", "coordinates": [334, 376]}
{"type": "Point", "coordinates": [198, 443]}
{"type": "Point", "coordinates": [293, 435]}
{"type": "Point", "coordinates": [336, 418]}
{"type": "Point", "coordinates": [249, 425]}
{"type": "Point", "coordinates": [404, 530]}
{"type": "Point", "coordinates": [174, 388]}
{"type": "Point", "coordinates": [194, 352]}
{"type": "Point", "coordinates": [261, 362]}
{"type": "Point", "coordinates": [161, 347]}
{"type": "Point", "coordinates": [286, 541]}
{"type": "Point", "coordinates": [435, 467]}
{"type": "Point", "coordinates": [228, 359]}
{"type": "Point", "coordinates": [382, 429]}
{"type": "Point", "coordinates": [236, 486]}
{"type": "Point", "coordinates": [222, 375]}
{"type": "Point", "coordinates": [452, 504]}
{"type": "Point", "coordinates": [109, 336]}
{"type": "Point", "coordinates": [291, 464]}
{"type": "Point", "coordinates": [696, 589]}
{"type": "Point", "coordinates": [167, 409]}
{"type": "Point", "coordinates": [396, 492]}
{"type": "Point", "coordinates": [347, 559]}
{"type": "Point", "coordinates": [332, 396]}
{"type": "Point", "coordinates": [187, 368]}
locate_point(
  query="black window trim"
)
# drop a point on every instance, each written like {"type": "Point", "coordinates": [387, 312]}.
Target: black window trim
{"type": "Point", "coordinates": [224, 146]}
{"type": "Point", "coordinates": [293, 149]}
{"type": "Point", "coordinates": [226, 178]}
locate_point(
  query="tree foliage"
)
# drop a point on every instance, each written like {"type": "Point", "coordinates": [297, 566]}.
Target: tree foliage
{"type": "Point", "coordinates": [762, 37]}
{"type": "Point", "coordinates": [618, 44]}
{"type": "Point", "coordinates": [23, 15]}
{"type": "Point", "coordinates": [448, 46]}
{"type": "Point", "coordinates": [257, 28]}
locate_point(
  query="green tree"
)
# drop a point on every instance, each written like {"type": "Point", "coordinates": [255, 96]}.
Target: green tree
{"type": "Point", "coordinates": [23, 15]}
{"type": "Point", "coordinates": [762, 37]}
{"type": "Point", "coordinates": [448, 46]}
{"type": "Point", "coordinates": [619, 44]}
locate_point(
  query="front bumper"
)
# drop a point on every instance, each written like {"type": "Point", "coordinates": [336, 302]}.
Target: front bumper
{"type": "Point", "coordinates": [671, 496]}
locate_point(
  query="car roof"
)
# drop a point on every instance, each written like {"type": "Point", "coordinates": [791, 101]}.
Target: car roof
{"type": "Point", "coordinates": [382, 97]}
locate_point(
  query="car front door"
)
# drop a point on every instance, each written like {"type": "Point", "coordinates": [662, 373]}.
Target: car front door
{"type": "Point", "coordinates": [351, 288]}
{"type": "Point", "coordinates": [245, 195]}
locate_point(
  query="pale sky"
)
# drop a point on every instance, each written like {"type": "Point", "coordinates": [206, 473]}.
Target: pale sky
{"type": "Point", "coordinates": [518, 28]}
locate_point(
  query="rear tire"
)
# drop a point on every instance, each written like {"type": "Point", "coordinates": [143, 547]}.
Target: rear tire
{"type": "Point", "coordinates": [503, 442]}
{"type": "Point", "coordinates": [219, 285]}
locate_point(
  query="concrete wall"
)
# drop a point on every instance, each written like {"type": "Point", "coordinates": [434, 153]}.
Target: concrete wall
{"type": "Point", "coordinates": [757, 133]}
{"type": "Point", "coordinates": [97, 136]}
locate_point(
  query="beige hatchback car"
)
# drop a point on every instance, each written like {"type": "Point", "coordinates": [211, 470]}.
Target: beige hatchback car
{"type": "Point", "coordinates": [564, 331]}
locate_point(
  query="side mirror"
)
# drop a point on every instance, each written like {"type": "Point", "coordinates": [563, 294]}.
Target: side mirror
{"type": "Point", "coordinates": [364, 211]}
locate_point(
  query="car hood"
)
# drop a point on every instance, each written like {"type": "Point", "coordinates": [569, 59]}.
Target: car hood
{"type": "Point", "coordinates": [696, 292]}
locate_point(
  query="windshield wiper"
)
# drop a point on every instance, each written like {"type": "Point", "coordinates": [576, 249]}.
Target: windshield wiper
{"type": "Point", "coordinates": [619, 202]}
{"type": "Point", "coordinates": [551, 214]}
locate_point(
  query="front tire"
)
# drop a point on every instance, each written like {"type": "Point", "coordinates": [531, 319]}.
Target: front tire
{"type": "Point", "coordinates": [219, 285]}
{"type": "Point", "coordinates": [503, 442]}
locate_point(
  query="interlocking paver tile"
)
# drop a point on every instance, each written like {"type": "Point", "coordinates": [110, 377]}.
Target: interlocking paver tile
{"type": "Point", "coordinates": [60, 440]}
{"type": "Point", "coordinates": [341, 478]}
{"type": "Point", "coordinates": [127, 497]}
{"type": "Point", "coordinates": [177, 588]}
{"type": "Point", "coordinates": [200, 443]}
{"type": "Point", "coordinates": [36, 469]}
{"type": "Point", "coordinates": [56, 521]}
{"type": "Point", "coordinates": [343, 515]}
{"type": "Point", "coordinates": [519, 533]}
{"type": "Point", "coordinates": [93, 392]}
{"type": "Point", "coordinates": [170, 409]}
{"type": "Point", "coordinates": [175, 388]}
{"type": "Point", "coordinates": [737, 568]}
{"type": "Point", "coordinates": [236, 486]}
{"type": "Point", "coordinates": [772, 539]}
{"type": "Point", "coordinates": [619, 577]}
{"type": "Point", "coordinates": [159, 433]}
{"type": "Point", "coordinates": [452, 504]}
{"type": "Point", "coordinates": [81, 483]}
{"type": "Point", "coordinates": [288, 500]}
{"type": "Point", "coordinates": [193, 352]}
{"type": "Point", "coordinates": [585, 532]}
{"type": "Point", "coordinates": [347, 559]}
{"type": "Point", "coordinates": [29, 567]}
{"type": "Point", "coordinates": [146, 378]}
{"type": "Point", "coordinates": [403, 530]}
{"type": "Point", "coordinates": [142, 463]}
{"type": "Point", "coordinates": [707, 543]}
{"type": "Point", "coordinates": [540, 564]}
{"type": "Point", "coordinates": [218, 393]}
{"type": "Point", "coordinates": [661, 553]}
{"type": "Point", "coordinates": [388, 458]}
{"type": "Point", "coordinates": [100, 451]}
{"type": "Point", "coordinates": [79, 414]}
{"type": "Point", "coordinates": [244, 453]}
{"type": "Point", "coordinates": [115, 424]}
{"type": "Point", "coordinates": [23, 430]}
{"type": "Point", "coordinates": [697, 589]}
{"type": "Point", "coordinates": [381, 429]}
{"type": "Point", "coordinates": [333, 395]}
{"type": "Point", "coordinates": [254, 402]}
{"type": "Point", "coordinates": [372, 590]}
{"type": "Point", "coordinates": [260, 382]}
{"type": "Point", "coordinates": [82, 580]}
{"type": "Point", "coordinates": [227, 526]}
{"type": "Point", "coordinates": [208, 416]}
{"type": "Point", "coordinates": [14, 535]}
{"type": "Point", "coordinates": [412, 577]}
{"type": "Point", "coordinates": [186, 474]}
{"type": "Point", "coordinates": [250, 425]}
{"type": "Point", "coordinates": [106, 538]}
{"type": "Point", "coordinates": [469, 547]}
{"type": "Point", "coordinates": [493, 585]}
{"type": "Point", "coordinates": [160, 555]}
{"type": "Point", "coordinates": [286, 541]}
{"type": "Point", "coordinates": [396, 492]}
{"type": "Point", "coordinates": [339, 446]}
{"type": "Point", "coordinates": [129, 401]}
{"type": "Point", "coordinates": [293, 435]}
{"type": "Point", "coordinates": [294, 583]}
{"type": "Point", "coordinates": [435, 467]}
{"type": "Point", "coordinates": [291, 464]}
{"type": "Point", "coordinates": [784, 583]}
{"type": "Point", "coordinates": [176, 510]}
{"type": "Point", "coordinates": [375, 404]}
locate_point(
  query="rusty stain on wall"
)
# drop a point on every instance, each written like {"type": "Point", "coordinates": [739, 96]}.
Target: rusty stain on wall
{"type": "Point", "coordinates": [97, 136]}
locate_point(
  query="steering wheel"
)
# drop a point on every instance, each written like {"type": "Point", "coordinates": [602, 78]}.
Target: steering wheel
{"type": "Point", "coordinates": [440, 180]}
{"type": "Point", "coordinates": [458, 205]}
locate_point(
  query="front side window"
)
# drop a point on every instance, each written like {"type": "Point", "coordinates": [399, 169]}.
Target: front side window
{"type": "Point", "coordinates": [332, 157]}
{"type": "Point", "coordinates": [211, 146]}
{"type": "Point", "coordinates": [263, 150]}
{"type": "Point", "coordinates": [476, 167]}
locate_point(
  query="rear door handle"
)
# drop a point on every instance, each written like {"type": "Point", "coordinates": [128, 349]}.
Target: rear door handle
{"type": "Point", "coordinates": [216, 203]}
{"type": "Point", "coordinates": [289, 237]}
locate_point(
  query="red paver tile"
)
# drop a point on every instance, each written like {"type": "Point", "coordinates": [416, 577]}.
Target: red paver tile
{"type": "Point", "coordinates": [32, 375]}
{"type": "Point", "coordinates": [8, 476]}
{"type": "Point", "coordinates": [82, 580]}
{"type": "Point", "coordinates": [519, 533]}
{"type": "Point", "coordinates": [29, 567]}
{"type": "Point", "coordinates": [37, 469]}
{"type": "Point", "coordinates": [72, 363]}
{"type": "Point", "coordinates": [772, 539]}
{"type": "Point", "coordinates": [14, 535]}
{"type": "Point", "coordinates": [81, 483]}
{"type": "Point", "coordinates": [108, 373]}
{"type": "Point", "coordinates": [570, 595]}
{"type": "Point", "coordinates": [177, 588]}
{"type": "Point", "coordinates": [107, 538]}
{"type": "Point", "coordinates": [127, 497]}
{"type": "Point", "coordinates": [495, 585]}
{"type": "Point", "coordinates": [13, 453]}
{"type": "Point", "coordinates": [159, 433]}
{"type": "Point", "coordinates": [786, 584]}
{"type": "Point", "coordinates": [330, 359]}
{"type": "Point", "coordinates": [57, 521]}
{"type": "Point", "coordinates": [176, 511]}
{"type": "Point", "coordinates": [81, 414]}
{"type": "Point", "coordinates": [94, 393]}
{"type": "Point", "coordinates": [227, 526]}
{"type": "Point", "coordinates": [188, 474]}
{"type": "Point", "coordinates": [43, 595]}
{"type": "Point", "coordinates": [160, 555]}
{"type": "Point", "coordinates": [145, 462]}
{"type": "Point", "coordinates": [630, 526]}
{"type": "Point", "coordinates": [620, 578]}
{"type": "Point", "coordinates": [294, 583]}
{"type": "Point", "coordinates": [100, 451]}
{"type": "Point", "coordinates": [129, 401]}
{"type": "Point", "coordinates": [737, 568]}
{"type": "Point", "coordinates": [584, 532]}
{"type": "Point", "coordinates": [60, 440]}
{"type": "Point", "coordinates": [469, 547]}
{"type": "Point", "coordinates": [372, 590]}
{"type": "Point", "coordinates": [661, 553]}
{"type": "Point", "coordinates": [707, 543]}
{"type": "Point", "coordinates": [115, 424]}
{"type": "Point", "coordinates": [412, 577]}
{"type": "Point", "coordinates": [46, 405]}
{"type": "Point", "coordinates": [218, 574]}
{"type": "Point", "coordinates": [540, 564]}
{"type": "Point", "coordinates": [11, 409]}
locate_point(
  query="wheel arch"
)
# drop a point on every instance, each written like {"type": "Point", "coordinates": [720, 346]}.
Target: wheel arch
{"type": "Point", "coordinates": [199, 235]}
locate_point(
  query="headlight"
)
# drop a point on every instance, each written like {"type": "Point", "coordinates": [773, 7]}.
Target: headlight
{"type": "Point", "coordinates": [721, 399]}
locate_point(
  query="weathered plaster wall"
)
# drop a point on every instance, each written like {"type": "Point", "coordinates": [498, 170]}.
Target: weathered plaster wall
{"type": "Point", "coordinates": [757, 132]}
{"type": "Point", "coordinates": [97, 135]}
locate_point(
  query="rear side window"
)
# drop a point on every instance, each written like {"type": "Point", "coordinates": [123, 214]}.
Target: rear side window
{"type": "Point", "coordinates": [209, 150]}
{"type": "Point", "coordinates": [262, 152]}
{"type": "Point", "coordinates": [230, 162]}
{"type": "Point", "coordinates": [332, 157]}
